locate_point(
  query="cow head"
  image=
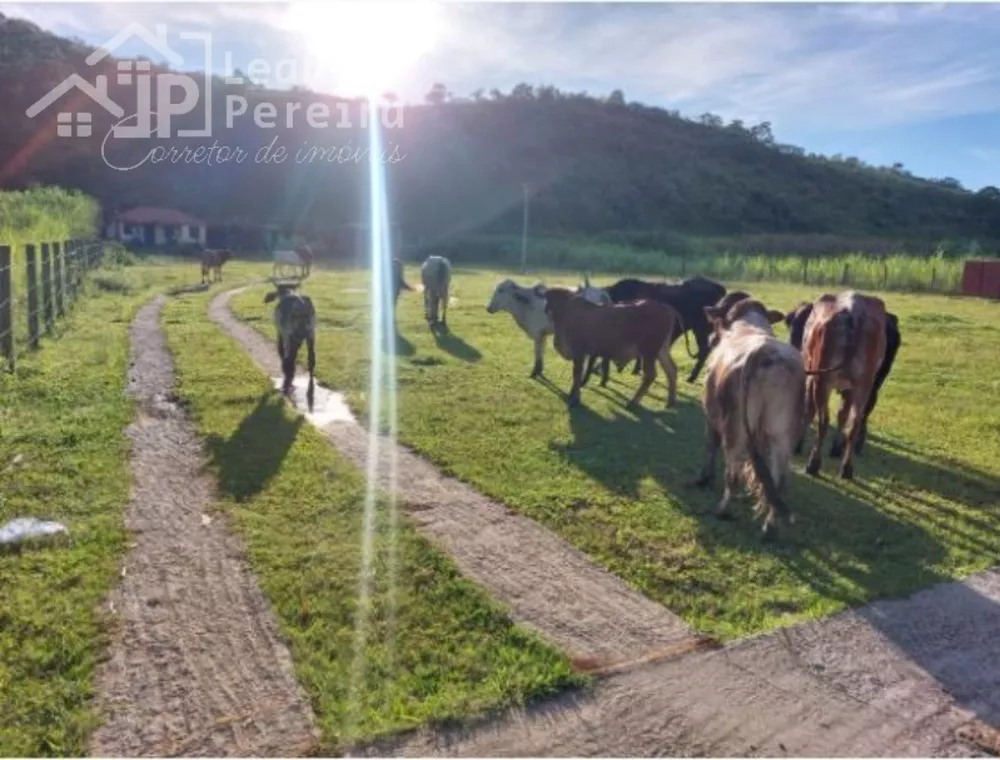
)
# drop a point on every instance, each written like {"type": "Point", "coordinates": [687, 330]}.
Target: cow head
{"type": "Point", "coordinates": [592, 293]}
{"type": "Point", "coordinates": [796, 322]}
{"type": "Point", "coordinates": [508, 295]}
{"type": "Point", "coordinates": [747, 310]}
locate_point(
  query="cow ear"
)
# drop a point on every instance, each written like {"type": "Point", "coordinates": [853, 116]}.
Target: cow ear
{"type": "Point", "coordinates": [714, 313]}
{"type": "Point", "coordinates": [539, 290]}
{"type": "Point", "coordinates": [774, 316]}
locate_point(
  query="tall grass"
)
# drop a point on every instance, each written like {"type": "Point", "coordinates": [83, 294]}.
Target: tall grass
{"type": "Point", "coordinates": [939, 272]}
{"type": "Point", "coordinates": [41, 215]}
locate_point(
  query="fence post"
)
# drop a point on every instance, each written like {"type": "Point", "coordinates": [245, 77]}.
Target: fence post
{"type": "Point", "coordinates": [805, 270]}
{"type": "Point", "coordinates": [33, 305]}
{"type": "Point", "coordinates": [933, 277]}
{"type": "Point", "coordinates": [67, 248]}
{"type": "Point", "coordinates": [7, 308]}
{"type": "Point", "coordinates": [844, 278]}
{"type": "Point", "coordinates": [59, 275]}
{"type": "Point", "coordinates": [48, 303]}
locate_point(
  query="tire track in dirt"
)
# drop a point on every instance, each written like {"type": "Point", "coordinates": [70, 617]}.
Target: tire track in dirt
{"type": "Point", "coordinates": [897, 678]}
{"type": "Point", "coordinates": [548, 585]}
{"type": "Point", "coordinates": [196, 665]}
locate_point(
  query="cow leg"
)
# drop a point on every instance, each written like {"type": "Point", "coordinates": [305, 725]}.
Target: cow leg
{"type": "Point", "coordinates": [444, 309]}
{"type": "Point", "coordinates": [712, 443]}
{"type": "Point", "coordinates": [288, 363]}
{"type": "Point", "coordinates": [311, 390]}
{"type": "Point", "coordinates": [281, 352]}
{"type": "Point", "coordinates": [648, 376]}
{"type": "Point", "coordinates": [605, 370]}
{"type": "Point", "coordinates": [591, 361]}
{"type": "Point", "coordinates": [574, 393]}
{"type": "Point", "coordinates": [638, 366]}
{"type": "Point", "coordinates": [837, 445]}
{"type": "Point", "coordinates": [732, 483]}
{"type": "Point", "coordinates": [821, 401]}
{"type": "Point", "coordinates": [702, 340]}
{"type": "Point", "coordinates": [859, 398]}
{"type": "Point", "coordinates": [670, 368]}
{"type": "Point", "coordinates": [536, 371]}
{"type": "Point", "coordinates": [810, 412]}
{"type": "Point", "coordinates": [869, 407]}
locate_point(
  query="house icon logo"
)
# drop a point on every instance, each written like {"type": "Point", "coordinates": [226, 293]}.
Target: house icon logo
{"type": "Point", "coordinates": [139, 74]}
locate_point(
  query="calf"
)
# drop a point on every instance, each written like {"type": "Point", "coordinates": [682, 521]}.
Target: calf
{"type": "Point", "coordinates": [212, 260]}
{"type": "Point", "coordinates": [435, 273]}
{"type": "Point", "coordinates": [848, 334]}
{"type": "Point", "coordinates": [527, 307]}
{"type": "Point", "coordinates": [295, 321]}
{"type": "Point", "coordinates": [617, 332]}
{"type": "Point", "coordinates": [796, 321]}
{"type": "Point", "coordinates": [689, 298]}
{"type": "Point", "coordinates": [753, 401]}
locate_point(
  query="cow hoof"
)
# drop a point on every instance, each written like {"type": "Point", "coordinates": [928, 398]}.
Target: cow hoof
{"type": "Point", "coordinates": [812, 468]}
{"type": "Point", "coordinates": [847, 471]}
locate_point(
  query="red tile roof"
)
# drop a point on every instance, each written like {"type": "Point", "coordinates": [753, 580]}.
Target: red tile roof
{"type": "Point", "coordinates": [156, 215]}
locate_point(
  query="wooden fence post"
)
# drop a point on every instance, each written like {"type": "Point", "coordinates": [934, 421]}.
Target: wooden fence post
{"type": "Point", "coordinates": [48, 303]}
{"type": "Point", "coordinates": [59, 275]}
{"type": "Point", "coordinates": [7, 307]}
{"type": "Point", "coordinates": [33, 304]}
{"type": "Point", "coordinates": [805, 270]}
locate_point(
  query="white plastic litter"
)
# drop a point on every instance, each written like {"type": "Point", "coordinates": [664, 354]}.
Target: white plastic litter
{"type": "Point", "coordinates": [21, 528]}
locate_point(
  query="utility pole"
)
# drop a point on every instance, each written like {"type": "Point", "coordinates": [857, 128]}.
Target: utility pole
{"type": "Point", "coordinates": [524, 231]}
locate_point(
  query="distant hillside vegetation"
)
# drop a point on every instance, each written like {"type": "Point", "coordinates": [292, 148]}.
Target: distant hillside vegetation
{"type": "Point", "coordinates": [596, 166]}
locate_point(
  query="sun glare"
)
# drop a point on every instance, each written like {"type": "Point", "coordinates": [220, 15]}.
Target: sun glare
{"type": "Point", "coordinates": [363, 47]}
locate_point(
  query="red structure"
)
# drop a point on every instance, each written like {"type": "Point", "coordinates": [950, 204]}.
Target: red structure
{"type": "Point", "coordinates": [981, 278]}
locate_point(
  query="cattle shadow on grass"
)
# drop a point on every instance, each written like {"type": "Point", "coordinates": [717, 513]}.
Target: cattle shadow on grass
{"type": "Point", "coordinates": [253, 454]}
{"type": "Point", "coordinates": [842, 544]}
{"type": "Point", "coordinates": [449, 342]}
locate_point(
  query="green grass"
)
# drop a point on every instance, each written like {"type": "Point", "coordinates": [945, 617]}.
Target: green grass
{"type": "Point", "coordinates": [63, 456]}
{"type": "Point", "coordinates": [925, 505]}
{"type": "Point", "coordinates": [445, 653]}
{"type": "Point", "coordinates": [899, 272]}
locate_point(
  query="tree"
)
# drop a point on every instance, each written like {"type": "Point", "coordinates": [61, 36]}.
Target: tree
{"type": "Point", "coordinates": [438, 94]}
{"type": "Point", "coordinates": [762, 132]}
{"type": "Point", "coordinates": [523, 91]}
{"type": "Point", "coordinates": [477, 95]}
{"type": "Point", "coordinates": [616, 98]}
{"type": "Point", "coordinates": [990, 192]}
{"type": "Point", "coordinates": [711, 120]}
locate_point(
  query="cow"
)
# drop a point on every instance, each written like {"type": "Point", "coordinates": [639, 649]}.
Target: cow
{"type": "Point", "coordinates": [616, 332]}
{"type": "Point", "coordinates": [212, 260]}
{"type": "Point", "coordinates": [527, 307]}
{"type": "Point", "coordinates": [295, 322]}
{"type": "Point", "coordinates": [753, 402]}
{"type": "Point", "coordinates": [399, 284]}
{"type": "Point", "coordinates": [848, 334]}
{"type": "Point", "coordinates": [435, 273]}
{"type": "Point", "coordinates": [796, 322]}
{"type": "Point", "coordinates": [689, 298]}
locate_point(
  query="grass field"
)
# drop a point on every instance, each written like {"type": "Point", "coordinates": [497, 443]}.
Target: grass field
{"type": "Point", "coordinates": [440, 650]}
{"type": "Point", "coordinates": [63, 456]}
{"type": "Point", "coordinates": [925, 505]}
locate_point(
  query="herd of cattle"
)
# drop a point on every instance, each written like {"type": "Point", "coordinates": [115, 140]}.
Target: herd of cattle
{"type": "Point", "coordinates": [761, 394]}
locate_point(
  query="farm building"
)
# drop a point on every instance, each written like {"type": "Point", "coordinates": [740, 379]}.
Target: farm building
{"type": "Point", "coordinates": [156, 226]}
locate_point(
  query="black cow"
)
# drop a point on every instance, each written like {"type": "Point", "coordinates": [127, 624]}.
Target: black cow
{"type": "Point", "coordinates": [689, 298]}
{"type": "Point", "coordinates": [796, 322]}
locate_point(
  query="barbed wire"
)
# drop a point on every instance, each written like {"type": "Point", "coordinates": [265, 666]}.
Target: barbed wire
{"type": "Point", "coordinates": [32, 304]}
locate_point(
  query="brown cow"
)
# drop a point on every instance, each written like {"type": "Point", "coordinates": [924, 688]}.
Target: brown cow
{"type": "Point", "coordinates": [212, 260]}
{"type": "Point", "coordinates": [618, 332]}
{"type": "Point", "coordinates": [846, 333]}
{"type": "Point", "coordinates": [753, 401]}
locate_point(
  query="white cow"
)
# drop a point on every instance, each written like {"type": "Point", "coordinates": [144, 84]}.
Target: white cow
{"type": "Point", "coordinates": [527, 306]}
{"type": "Point", "coordinates": [435, 273]}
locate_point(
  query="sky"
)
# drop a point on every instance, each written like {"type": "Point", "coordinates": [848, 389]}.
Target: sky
{"type": "Point", "coordinates": [917, 83]}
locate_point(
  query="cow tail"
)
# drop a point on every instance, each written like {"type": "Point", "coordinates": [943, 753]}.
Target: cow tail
{"type": "Point", "coordinates": [761, 481]}
{"type": "Point", "coordinates": [684, 332]}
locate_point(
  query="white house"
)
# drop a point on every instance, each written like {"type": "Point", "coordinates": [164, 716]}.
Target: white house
{"type": "Point", "coordinates": [156, 226]}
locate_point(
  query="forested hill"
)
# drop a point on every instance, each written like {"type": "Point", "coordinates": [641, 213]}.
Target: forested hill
{"type": "Point", "coordinates": [595, 165]}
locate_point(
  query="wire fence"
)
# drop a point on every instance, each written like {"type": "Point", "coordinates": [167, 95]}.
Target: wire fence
{"type": "Point", "coordinates": [38, 286]}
